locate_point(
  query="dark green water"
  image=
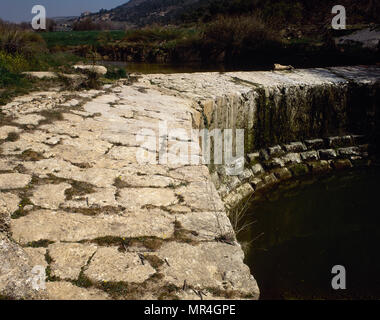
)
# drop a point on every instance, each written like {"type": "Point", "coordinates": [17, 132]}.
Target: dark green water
{"type": "Point", "coordinates": [303, 231]}
{"type": "Point", "coordinates": [154, 68]}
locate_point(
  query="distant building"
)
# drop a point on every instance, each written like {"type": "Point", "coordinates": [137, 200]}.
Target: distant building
{"type": "Point", "coordinates": [85, 14]}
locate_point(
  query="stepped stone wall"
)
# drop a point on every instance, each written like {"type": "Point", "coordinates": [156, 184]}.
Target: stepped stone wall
{"type": "Point", "coordinates": [332, 107]}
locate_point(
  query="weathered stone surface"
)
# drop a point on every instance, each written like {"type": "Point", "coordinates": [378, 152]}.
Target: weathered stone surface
{"type": "Point", "coordinates": [148, 181]}
{"type": "Point", "coordinates": [32, 119]}
{"type": "Point", "coordinates": [50, 196]}
{"type": "Point", "coordinates": [282, 174]}
{"type": "Point", "coordinates": [36, 256]}
{"type": "Point", "coordinates": [274, 163]}
{"type": "Point", "coordinates": [200, 196]}
{"type": "Point", "coordinates": [15, 272]}
{"type": "Point", "coordinates": [315, 144]}
{"type": "Point", "coordinates": [215, 179]}
{"type": "Point", "coordinates": [41, 74]}
{"type": "Point", "coordinates": [109, 264]}
{"type": "Point", "coordinates": [14, 180]}
{"type": "Point", "coordinates": [327, 154]}
{"type": "Point", "coordinates": [6, 165]}
{"type": "Point", "coordinates": [256, 183]}
{"type": "Point", "coordinates": [257, 169]}
{"type": "Point", "coordinates": [275, 151]}
{"type": "Point", "coordinates": [236, 197]}
{"type": "Point", "coordinates": [6, 130]}
{"type": "Point", "coordinates": [97, 69]}
{"type": "Point", "coordinates": [71, 227]}
{"type": "Point", "coordinates": [69, 258]}
{"type": "Point", "coordinates": [104, 197]}
{"type": "Point", "coordinates": [5, 217]}
{"type": "Point", "coordinates": [232, 182]}
{"type": "Point", "coordinates": [137, 198]}
{"type": "Point", "coordinates": [246, 175]}
{"type": "Point", "coordinates": [295, 147]}
{"type": "Point", "coordinates": [219, 268]}
{"type": "Point", "coordinates": [205, 225]}
{"type": "Point", "coordinates": [310, 155]}
{"type": "Point", "coordinates": [349, 152]}
{"type": "Point", "coordinates": [319, 167]}
{"type": "Point", "coordinates": [292, 158]}
{"type": "Point", "coordinates": [336, 142]}
{"type": "Point", "coordinates": [10, 202]}
{"type": "Point", "coordinates": [67, 291]}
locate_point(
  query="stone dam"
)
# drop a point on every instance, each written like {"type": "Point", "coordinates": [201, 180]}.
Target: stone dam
{"type": "Point", "coordinates": [77, 204]}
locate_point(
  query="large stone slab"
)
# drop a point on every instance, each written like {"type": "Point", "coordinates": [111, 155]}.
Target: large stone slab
{"type": "Point", "coordinates": [14, 180]}
{"type": "Point", "coordinates": [73, 227]}
{"type": "Point", "coordinates": [67, 291]}
{"type": "Point", "coordinates": [50, 196]}
{"type": "Point", "coordinates": [137, 198]}
{"type": "Point", "coordinates": [15, 272]}
{"type": "Point", "coordinates": [109, 264]}
{"type": "Point", "coordinates": [69, 258]}
{"type": "Point", "coordinates": [222, 266]}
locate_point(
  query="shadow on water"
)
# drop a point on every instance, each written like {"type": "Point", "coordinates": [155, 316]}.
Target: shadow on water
{"type": "Point", "coordinates": [308, 228]}
{"type": "Point", "coordinates": [163, 68]}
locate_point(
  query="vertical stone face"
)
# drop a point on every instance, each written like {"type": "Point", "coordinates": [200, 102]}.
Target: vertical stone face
{"type": "Point", "coordinates": [286, 113]}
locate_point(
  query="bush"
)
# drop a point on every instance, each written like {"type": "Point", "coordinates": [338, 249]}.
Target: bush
{"type": "Point", "coordinates": [8, 78]}
{"type": "Point", "coordinates": [238, 37]}
{"type": "Point", "coordinates": [84, 25]}
{"type": "Point", "coordinates": [158, 34]}
{"type": "Point", "coordinates": [14, 40]}
{"type": "Point", "coordinates": [116, 73]}
{"type": "Point", "coordinates": [13, 63]}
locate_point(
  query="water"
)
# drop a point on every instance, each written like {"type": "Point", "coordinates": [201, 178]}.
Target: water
{"type": "Point", "coordinates": [301, 232]}
{"type": "Point", "coordinates": [154, 68]}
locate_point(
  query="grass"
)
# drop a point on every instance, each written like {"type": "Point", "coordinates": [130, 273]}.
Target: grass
{"type": "Point", "coordinates": [59, 40]}
{"type": "Point", "coordinates": [22, 51]}
{"type": "Point", "coordinates": [157, 34]}
{"type": "Point", "coordinates": [78, 189]}
{"type": "Point", "coordinates": [39, 244]}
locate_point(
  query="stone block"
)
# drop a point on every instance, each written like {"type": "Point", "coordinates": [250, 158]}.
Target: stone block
{"type": "Point", "coordinates": [310, 156]}
{"type": "Point", "coordinates": [315, 144]}
{"type": "Point", "coordinates": [295, 147]}
{"type": "Point", "coordinates": [327, 154]}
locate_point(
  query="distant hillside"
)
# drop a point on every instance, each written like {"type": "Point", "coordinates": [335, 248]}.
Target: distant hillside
{"type": "Point", "coordinates": [145, 12]}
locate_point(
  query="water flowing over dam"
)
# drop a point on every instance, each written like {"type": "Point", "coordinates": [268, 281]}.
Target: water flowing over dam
{"type": "Point", "coordinates": [76, 200]}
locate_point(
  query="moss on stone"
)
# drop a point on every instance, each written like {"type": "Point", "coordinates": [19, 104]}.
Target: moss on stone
{"type": "Point", "coordinates": [78, 188]}
{"type": "Point", "coordinates": [39, 244]}
{"type": "Point", "coordinates": [299, 170]}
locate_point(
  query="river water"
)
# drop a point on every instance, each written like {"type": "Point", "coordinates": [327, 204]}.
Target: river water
{"type": "Point", "coordinates": [154, 68]}
{"type": "Point", "coordinates": [303, 229]}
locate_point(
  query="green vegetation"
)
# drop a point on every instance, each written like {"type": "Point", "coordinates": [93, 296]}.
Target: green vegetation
{"type": "Point", "coordinates": [62, 40]}
{"type": "Point", "coordinates": [22, 51]}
